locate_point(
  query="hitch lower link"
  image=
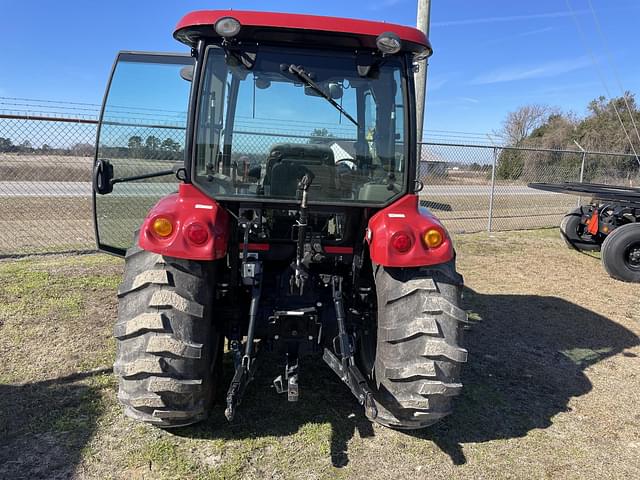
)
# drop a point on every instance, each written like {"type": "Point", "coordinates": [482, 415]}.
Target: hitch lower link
{"type": "Point", "coordinates": [245, 364]}
{"type": "Point", "coordinates": [345, 366]}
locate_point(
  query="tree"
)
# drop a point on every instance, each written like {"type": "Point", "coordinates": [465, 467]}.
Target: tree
{"type": "Point", "coordinates": [510, 164]}
{"type": "Point", "coordinates": [135, 142]}
{"type": "Point", "coordinates": [82, 149]}
{"type": "Point", "coordinates": [518, 125]}
{"type": "Point", "coordinates": [600, 130]}
{"type": "Point", "coordinates": [152, 143]}
{"type": "Point", "coordinates": [6, 145]}
{"type": "Point", "coordinates": [170, 145]}
{"type": "Point", "coordinates": [320, 136]}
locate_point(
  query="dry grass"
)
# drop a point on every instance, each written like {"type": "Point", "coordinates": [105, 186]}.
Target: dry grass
{"type": "Point", "coordinates": [68, 221]}
{"type": "Point", "coordinates": [551, 388]}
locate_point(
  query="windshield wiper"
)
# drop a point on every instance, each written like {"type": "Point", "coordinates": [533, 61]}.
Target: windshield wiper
{"type": "Point", "coordinates": [299, 72]}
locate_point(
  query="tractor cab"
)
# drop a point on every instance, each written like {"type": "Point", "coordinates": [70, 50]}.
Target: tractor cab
{"type": "Point", "coordinates": [262, 99]}
{"type": "Point", "coordinates": [263, 190]}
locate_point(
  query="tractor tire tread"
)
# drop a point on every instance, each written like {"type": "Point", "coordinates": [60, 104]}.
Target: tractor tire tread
{"type": "Point", "coordinates": [418, 356]}
{"type": "Point", "coordinates": [166, 340]}
{"type": "Point", "coordinates": [613, 249]}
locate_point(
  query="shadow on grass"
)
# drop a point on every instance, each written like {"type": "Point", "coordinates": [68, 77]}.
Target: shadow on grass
{"type": "Point", "coordinates": [45, 425]}
{"type": "Point", "coordinates": [527, 359]}
{"type": "Point", "coordinates": [264, 413]}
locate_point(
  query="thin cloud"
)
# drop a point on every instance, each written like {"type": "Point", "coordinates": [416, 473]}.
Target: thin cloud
{"type": "Point", "coordinates": [537, 31]}
{"type": "Point", "coordinates": [435, 83]}
{"type": "Point", "coordinates": [469, 99]}
{"type": "Point", "coordinates": [381, 5]}
{"type": "Point", "coordinates": [504, 39]}
{"type": "Point", "coordinates": [544, 70]}
{"type": "Point", "coordinates": [510, 18]}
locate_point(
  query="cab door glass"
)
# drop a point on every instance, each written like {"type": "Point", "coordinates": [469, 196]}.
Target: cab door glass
{"type": "Point", "coordinates": [142, 131]}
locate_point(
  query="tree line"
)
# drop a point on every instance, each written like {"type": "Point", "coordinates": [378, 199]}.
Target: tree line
{"type": "Point", "coordinates": [545, 127]}
{"type": "Point", "coordinates": [137, 147]}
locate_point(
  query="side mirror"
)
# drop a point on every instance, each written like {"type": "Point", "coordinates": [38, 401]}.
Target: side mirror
{"type": "Point", "coordinates": [186, 73]}
{"type": "Point", "coordinates": [102, 177]}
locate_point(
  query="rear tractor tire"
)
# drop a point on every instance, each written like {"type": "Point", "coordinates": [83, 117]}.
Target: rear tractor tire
{"type": "Point", "coordinates": [418, 357]}
{"type": "Point", "coordinates": [621, 253]}
{"type": "Point", "coordinates": [166, 342]}
{"type": "Point", "coordinates": [572, 232]}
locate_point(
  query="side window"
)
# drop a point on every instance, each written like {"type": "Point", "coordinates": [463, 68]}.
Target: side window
{"type": "Point", "coordinates": [142, 131]}
{"type": "Point", "coordinates": [398, 113]}
{"type": "Point", "coordinates": [370, 121]}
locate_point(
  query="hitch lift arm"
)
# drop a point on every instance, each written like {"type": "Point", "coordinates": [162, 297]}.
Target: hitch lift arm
{"type": "Point", "coordinates": [345, 367]}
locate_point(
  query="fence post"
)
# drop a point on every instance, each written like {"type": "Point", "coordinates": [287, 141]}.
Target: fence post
{"type": "Point", "coordinates": [584, 156]}
{"type": "Point", "coordinates": [493, 188]}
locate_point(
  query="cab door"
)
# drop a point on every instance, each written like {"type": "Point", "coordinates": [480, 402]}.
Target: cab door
{"type": "Point", "coordinates": [140, 145]}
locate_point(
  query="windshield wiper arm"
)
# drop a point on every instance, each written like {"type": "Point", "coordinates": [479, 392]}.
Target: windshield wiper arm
{"type": "Point", "coordinates": [299, 72]}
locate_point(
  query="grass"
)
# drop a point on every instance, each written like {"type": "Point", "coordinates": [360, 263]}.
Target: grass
{"type": "Point", "coordinates": [551, 387]}
{"type": "Point", "coordinates": [71, 220]}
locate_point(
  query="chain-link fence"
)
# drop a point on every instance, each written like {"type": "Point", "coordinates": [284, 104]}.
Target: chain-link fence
{"type": "Point", "coordinates": [475, 188]}
{"type": "Point", "coordinates": [46, 165]}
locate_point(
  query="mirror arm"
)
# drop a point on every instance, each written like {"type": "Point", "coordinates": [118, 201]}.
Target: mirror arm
{"type": "Point", "coordinates": [103, 180]}
{"type": "Point", "coordinates": [142, 177]}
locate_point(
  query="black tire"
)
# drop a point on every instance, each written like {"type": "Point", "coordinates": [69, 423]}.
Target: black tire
{"type": "Point", "coordinates": [418, 358]}
{"type": "Point", "coordinates": [572, 232]}
{"type": "Point", "coordinates": [166, 342]}
{"type": "Point", "coordinates": [621, 253]}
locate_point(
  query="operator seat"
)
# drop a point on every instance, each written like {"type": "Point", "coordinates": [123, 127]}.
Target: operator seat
{"type": "Point", "coordinates": [289, 162]}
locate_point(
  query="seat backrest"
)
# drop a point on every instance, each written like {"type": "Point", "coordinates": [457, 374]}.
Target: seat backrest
{"type": "Point", "coordinates": [287, 164]}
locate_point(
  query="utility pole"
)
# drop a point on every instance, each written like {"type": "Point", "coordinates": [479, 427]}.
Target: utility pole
{"type": "Point", "coordinates": [424, 12]}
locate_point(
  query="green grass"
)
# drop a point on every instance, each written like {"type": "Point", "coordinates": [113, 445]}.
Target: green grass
{"type": "Point", "coordinates": [548, 361]}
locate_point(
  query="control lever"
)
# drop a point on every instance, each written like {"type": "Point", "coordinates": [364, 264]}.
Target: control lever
{"type": "Point", "coordinates": [301, 274]}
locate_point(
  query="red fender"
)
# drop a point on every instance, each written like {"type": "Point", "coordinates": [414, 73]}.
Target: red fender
{"type": "Point", "coordinates": [183, 209]}
{"type": "Point", "coordinates": [405, 216]}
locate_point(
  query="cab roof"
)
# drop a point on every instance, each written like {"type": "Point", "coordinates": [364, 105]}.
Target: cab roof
{"type": "Point", "coordinates": [298, 29]}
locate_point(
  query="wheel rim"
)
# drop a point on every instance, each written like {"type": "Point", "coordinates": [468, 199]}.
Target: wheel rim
{"type": "Point", "coordinates": [632, 256]}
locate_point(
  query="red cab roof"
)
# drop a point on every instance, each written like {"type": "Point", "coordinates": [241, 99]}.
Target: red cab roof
{"type": "Point", "coordinates": [200, 23]}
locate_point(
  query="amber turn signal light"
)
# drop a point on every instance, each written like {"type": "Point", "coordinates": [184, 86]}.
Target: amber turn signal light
{"type": "Point", "coordinates": [433, 238]}
{"type": "Point", "coordinates": [162, 227]}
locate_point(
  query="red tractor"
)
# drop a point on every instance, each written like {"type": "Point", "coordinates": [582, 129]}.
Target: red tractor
{"type": "Point", "coordinates": [296, 228]}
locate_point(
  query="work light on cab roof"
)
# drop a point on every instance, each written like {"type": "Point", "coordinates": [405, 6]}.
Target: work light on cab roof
{"type": "Point", "coordinates": [296, 227]}
{"type": "Point", "coordinates": [227, 27]}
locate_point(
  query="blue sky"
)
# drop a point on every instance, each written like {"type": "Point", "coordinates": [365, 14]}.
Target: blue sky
{"type": "Point", "coordinates": [490, 56]}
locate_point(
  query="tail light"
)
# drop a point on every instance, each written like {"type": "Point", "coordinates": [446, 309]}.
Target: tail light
{"type": "Point", "coordinates": [433, 238]}
{"type": "Point", "coordinates": [162, 227]}
{"type": "Point", "coordinates": [197, 233]}
{"type": "Point", "coordinates": [402, 242]}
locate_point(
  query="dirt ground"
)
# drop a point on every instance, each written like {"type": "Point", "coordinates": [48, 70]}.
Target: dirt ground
{"type": "Point", "coordinates": [552, 387]}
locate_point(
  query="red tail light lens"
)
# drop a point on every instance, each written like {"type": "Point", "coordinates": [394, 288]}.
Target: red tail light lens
{"type": "Point", "coordinates": [197, 233]}
{"type": "Point", "coordinates": [402, 242]}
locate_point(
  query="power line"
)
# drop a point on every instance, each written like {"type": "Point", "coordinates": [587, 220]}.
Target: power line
{"type": "Point", "coordinates": [600, 75]}
{"type": "Point", "coordinates": [98, 106]}
{"type": "Point", "coordinates": [612, 65]}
